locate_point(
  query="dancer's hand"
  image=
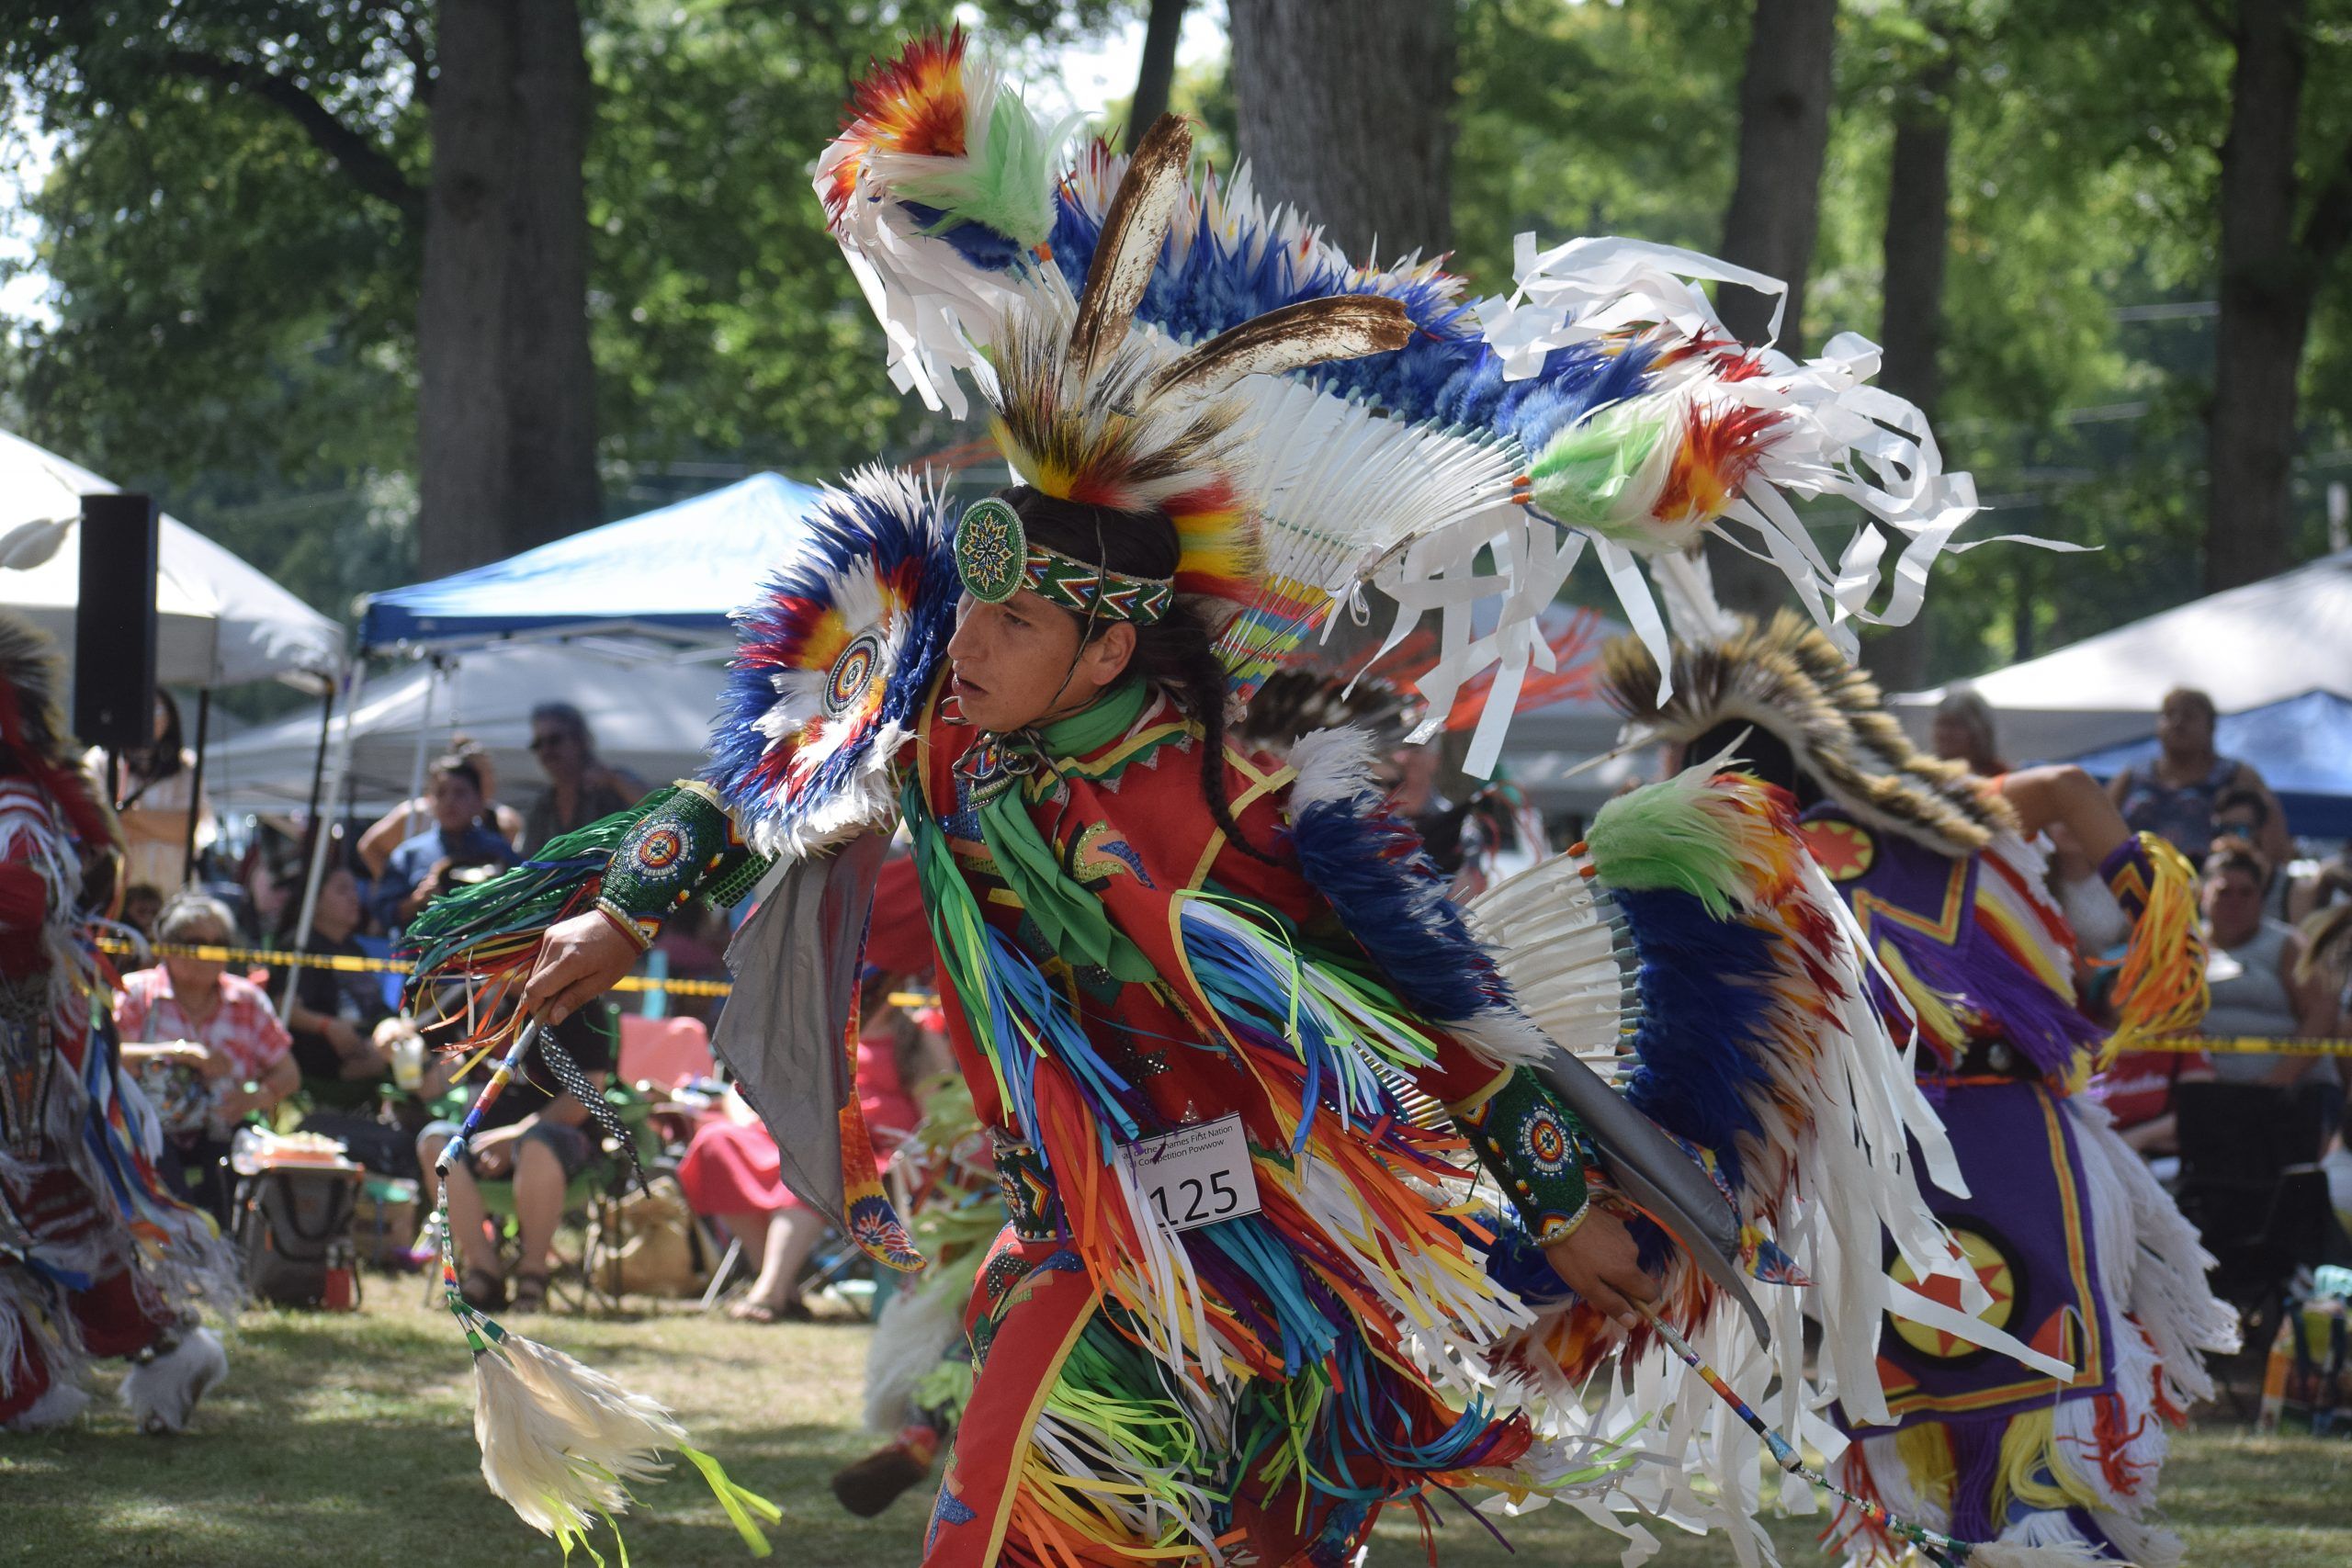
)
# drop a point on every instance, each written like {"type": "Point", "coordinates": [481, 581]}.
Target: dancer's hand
{"type": "Point", "coordinates": [578, 961]}
{"type": "Point", "coordinates": [1599, 1263]}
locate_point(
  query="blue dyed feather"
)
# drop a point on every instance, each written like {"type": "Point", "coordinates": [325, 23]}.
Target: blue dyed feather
{"type": "Point", "coordinates": [1703, 1034]}
{"type": "Point", "coordinates": [1446, 374]}
{"type": "Point", "coordinates": [1391, 897]}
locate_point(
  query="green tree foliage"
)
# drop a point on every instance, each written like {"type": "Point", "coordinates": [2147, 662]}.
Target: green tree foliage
{"type": "Point", "coordinates": [2078, 334]}
{"type": "Point", "coordinates": [232, 312]}
{"type": "Point", "coordinates": [234, 305]}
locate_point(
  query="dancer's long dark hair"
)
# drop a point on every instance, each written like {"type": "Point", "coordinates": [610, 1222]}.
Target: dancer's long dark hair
{"type": "Point", "coordinates": [1174, 652]}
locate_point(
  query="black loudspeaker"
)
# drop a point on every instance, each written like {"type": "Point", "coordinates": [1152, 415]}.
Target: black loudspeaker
{"type": "Point", "coordinates": [114, 628]}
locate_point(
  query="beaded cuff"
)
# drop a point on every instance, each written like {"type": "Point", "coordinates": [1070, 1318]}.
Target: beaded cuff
{"type": "Point", "coordinates": [2160, 986]}
{"type": "Point", "coordinates": [2129, 873]}
{"type": "Point", "coordinates": [1534, 1147]}
{"type": "Point", "coordinates": [1030, 1200]}
{"type": "Point", "coordinates": [687, 848]}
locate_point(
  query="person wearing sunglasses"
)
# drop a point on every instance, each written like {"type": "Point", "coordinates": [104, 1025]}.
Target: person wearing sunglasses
{"type": "Point", "coordinates": [580, 786]}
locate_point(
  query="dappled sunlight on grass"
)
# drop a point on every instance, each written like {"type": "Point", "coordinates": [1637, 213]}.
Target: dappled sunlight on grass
{"type": "Point", "coordinates": [347, 1440]}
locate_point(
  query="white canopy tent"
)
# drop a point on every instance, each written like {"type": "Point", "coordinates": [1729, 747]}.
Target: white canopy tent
{"type": "Point", "coordinates": [2247, 647]}
{"type": "Point", "coordinates": [219, 621]}
{"type": "Point", "coordinates": [650, 713]}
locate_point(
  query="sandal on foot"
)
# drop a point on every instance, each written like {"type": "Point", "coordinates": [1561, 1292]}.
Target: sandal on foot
{"type": "Point", "coordinates": [482, 1290]}
{"type": "Point", "coordinates": [530, 1290]}
{"type": "Point", "coordinates": [750, 1310]}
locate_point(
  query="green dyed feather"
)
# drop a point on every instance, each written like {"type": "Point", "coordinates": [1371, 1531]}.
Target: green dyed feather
{"type": "Point", "coordinates": [1005, 184]}
{"type": "Point", "coordinates": [530, 897]}
{"type": "Point", "coordinates": [1586, 471]}
{"type": "Point", "coordinates": [1671, 835]}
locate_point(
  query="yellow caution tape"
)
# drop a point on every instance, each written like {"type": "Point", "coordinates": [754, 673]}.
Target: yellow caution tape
{"type": "Point", "coordinates": [359, 964]}
{"type": "Point", "coordinates": [2247, 1045]}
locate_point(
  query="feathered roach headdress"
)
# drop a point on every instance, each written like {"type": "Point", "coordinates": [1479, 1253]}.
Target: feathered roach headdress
{"type": "Point", "coordinates": [1791, 681]}
{"type": "Point", "coordinates": [1087, 412]}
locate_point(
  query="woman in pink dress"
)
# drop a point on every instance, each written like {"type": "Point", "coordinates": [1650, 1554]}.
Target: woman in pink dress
{"type": "Point", "coordinates": [731, 1170]}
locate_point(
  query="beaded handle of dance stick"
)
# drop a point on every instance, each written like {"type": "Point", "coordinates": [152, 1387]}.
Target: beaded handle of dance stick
{"type": "Point", "coordinates": [454, 1151]}
{"type": "Point", "coordinates": [1943, 1547]}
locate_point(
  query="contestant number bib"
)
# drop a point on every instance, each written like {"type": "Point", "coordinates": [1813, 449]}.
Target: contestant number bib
{"type": "Point", "coordinates": [1197, 1176]}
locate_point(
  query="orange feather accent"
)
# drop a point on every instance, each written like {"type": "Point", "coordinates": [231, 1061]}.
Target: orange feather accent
{"type": "Point", "coordinates": [913, 103]}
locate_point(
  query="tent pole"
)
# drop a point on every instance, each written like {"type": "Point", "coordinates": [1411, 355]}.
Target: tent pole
{"type": "Point", "coordinates": [324, 799]}
{"type": "Point", "coordinates": [423, 747]}
{"type": "Point", "coordinates": [196, 786]}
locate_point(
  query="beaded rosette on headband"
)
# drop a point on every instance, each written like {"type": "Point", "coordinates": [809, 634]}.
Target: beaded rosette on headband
{"type": "Point", "coordinates": [996, 560]}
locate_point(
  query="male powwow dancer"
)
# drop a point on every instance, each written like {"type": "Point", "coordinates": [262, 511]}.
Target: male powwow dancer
{"type": "Point", "coordinates": [1238, 1053]}
{"type": "Point", "coordinates": [2086, 1256]}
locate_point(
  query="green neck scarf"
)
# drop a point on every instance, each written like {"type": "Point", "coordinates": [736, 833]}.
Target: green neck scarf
{"type": "Point", "coordinates": [1071, 918]}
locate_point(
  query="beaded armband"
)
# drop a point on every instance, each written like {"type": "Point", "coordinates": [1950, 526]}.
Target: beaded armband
{"type": "Point", "coordinates": [2130, 874]}
{"type": "Point", "coordinates": [687, 848]}
{"type": "Point", "coordinates": [1534, 1147]}
{"type": "Point", "coordinates": [2160, 986]}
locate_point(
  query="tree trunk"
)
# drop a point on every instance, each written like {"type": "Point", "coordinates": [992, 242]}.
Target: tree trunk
{"type": "Point", "coordinates": [1775, 211]}
{"type": "Point", "coordinates": [2267, 289]}
{"type": "Point", "coordinates": [1345, 110]}
{"type": "Point", "coordinates": [1783, 135]}
{"type": "Point", "coordinates": [1911, 326]}
{"type": "Point", "coordinates": [506, 402]}
{"type": "Point", "coordinates": [1157, 74]}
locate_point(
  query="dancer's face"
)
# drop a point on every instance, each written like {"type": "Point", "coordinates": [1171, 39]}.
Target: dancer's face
{"type": "Point", "coordinates": [1020, 662]}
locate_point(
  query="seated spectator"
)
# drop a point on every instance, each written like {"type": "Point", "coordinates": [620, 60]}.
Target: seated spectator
{"type": "Point", "coordinates": [537, 1137]}
{"type": "Point", "coordinates": [141, 902]}
{"type": "Point", "coordinates": [2329, 884]}
{"type": "Point", "coordinates": [2258, 994]}
{"type": "Point", "coordinates": [2242, 813]}
{"type": "Point", "coordinates": [1963, 732]}
{"type": "Point", "coordinates": [2177, 797]}
{"type": "Point", "coordinates": [404, 821]}
{"type": "Point", "coordinates": [454, 850]}
{"type": "Point", "coordinates": [581, 789]}
{"type": "Point", "coordinates": [2137, 1089]}
{"type": "Point", "coordinates": [272, 900]}
{"type": "Point", "coordinates": [731, 1170]}
{"type": "Point", "coordinates": [344, 1033]}
{"type": "Point", "coordinates": [243, 1055]}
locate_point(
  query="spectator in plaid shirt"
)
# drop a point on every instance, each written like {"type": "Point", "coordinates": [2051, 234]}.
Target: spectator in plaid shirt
{"type": "Point", "coordinates": [240, 1049]}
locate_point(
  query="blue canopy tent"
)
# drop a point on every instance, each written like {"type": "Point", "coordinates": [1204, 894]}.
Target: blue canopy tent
{"type": "Point", "coordinates": [2301, 747]}
{"type": "Point", "coordinates": [674, 573]}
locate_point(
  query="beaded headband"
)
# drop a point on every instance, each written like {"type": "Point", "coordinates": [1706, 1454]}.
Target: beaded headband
{"type": "Point", "coordinates": [996, 560]}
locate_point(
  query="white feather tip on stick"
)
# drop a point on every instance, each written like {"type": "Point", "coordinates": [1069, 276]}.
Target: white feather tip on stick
{"type": "Point", "coordinates": [561, 1442]}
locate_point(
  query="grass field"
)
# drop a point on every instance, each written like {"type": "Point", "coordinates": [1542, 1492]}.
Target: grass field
{"type": "Point", "coordinates": [344, 1440]}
